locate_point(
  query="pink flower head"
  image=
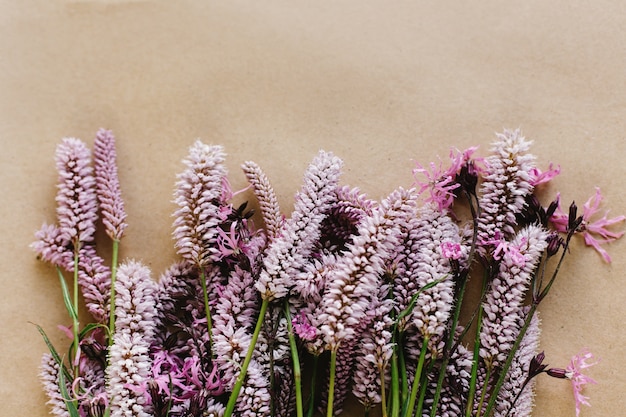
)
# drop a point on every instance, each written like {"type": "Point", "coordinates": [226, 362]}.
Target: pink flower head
{"type": "Point", "coordinates": [595, 232]}
{"type": "Point", "coordinates": [303, 328]}
{"type": "Point", "coordinates": [439, 183]}
{"type": "Point", "coordinates": [538, 176]}
{"type": "Point", "coordinates": [451, 250]}
{"type": "Point", "coordinates": [573, 372]}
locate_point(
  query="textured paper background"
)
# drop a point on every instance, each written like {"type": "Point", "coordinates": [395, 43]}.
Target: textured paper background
{"type": "Point", "coordinates": [380, 84]}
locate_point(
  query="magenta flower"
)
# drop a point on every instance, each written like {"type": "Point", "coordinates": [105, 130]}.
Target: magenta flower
{"type": "Point", "coordinates": [595, 233]}
{"type": "Point", "coordinates": [439, 183]}
{"type": "Point", "coordinates": [451, 250]}
{"type": "Point", "coordinates": [538, 176]}
{"type": "Point", "coordinates": [303, 328]}
{"type": "Point", "coordinates": [573, 372]}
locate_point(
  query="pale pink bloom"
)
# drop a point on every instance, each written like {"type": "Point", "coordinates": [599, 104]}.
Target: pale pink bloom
{"type": "Point", "coordinates": [507, 183]}
{"type": "Point", "coordinates": [595, 233]}
{"type": "Point", "coordinates": [108, 184]}
{"type": "Point", "coordinates": [287, 253]}
{"type": "Point", "coordinates": [537, 176]}
{"type": "Point", "coordinates": [504, 301]}
{"type": "Point", "coordinates": [77, 209]}
{"type": "Point", "coordinates": [49, 375]}
{"type": "Point", "coordinates": [198, 192]}
{"type": "Point", "coordinates": [573, 372]}
{"type": "Point", "coordinates": [268, 202]}
{"type": "Point", "coordinates": [135, 307]}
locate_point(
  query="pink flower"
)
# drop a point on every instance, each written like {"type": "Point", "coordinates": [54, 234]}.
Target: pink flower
{"type": "Point", "coordinates": [573, 372]}
{"type": "Point", "coordinates": [595, 232]}
{"type": "Point", "coordinates": [538, 176]}
{"type": "Point", "coordinates": [578, 363]}
{"type": "Point", "coordinates": [451, 250]}
{"type": "Point", "coordinates": [439, 183]}
{"type": "Point", "coordinates": [302, 327]}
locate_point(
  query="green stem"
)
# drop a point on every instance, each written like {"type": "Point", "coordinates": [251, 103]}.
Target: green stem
{"type": "Point", "coordinates": [383, 394]}
{"type": "Point", "coordinates": [509, 359]}
{"type": "Point", "coordinates": [312, 388]}
{"type": "Point", "coordinates": [116, 244]}
{"type": "Point", "coordinates": [423, 389]}
{"type": "Point", "coordinates": [403, 374]}
{"type": "Point", "coordinates": [417, 378]}
{"type": "Point", "coordinates": [447, 348]}
{"type": "Point", "coordinates": [209, 322]}
{"type": "Point", "coordinates": [395, 389]}
{"type": "Point", "coordinates": [297, 374]}
{"type": "Point", "coordinates": [75, 321]}
{"type": "Point", "coordinates": [484, 392]}
{"type": "Point", "coordinates": [475, 358]}
{"type": "Point", "coordinates": [232, 400]}
{"type": "Point", "coordinates": [331, 384]}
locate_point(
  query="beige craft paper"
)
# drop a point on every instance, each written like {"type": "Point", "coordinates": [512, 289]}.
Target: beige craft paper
{"type": "Point", "coordinates": [378, 83]}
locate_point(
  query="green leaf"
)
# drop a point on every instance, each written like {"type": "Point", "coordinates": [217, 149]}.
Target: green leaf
{"type": "Point", "coordinates": [411, 305]}
{"type": "Point", "coordinates": [53, 351]}
{"type": "Point", "coordinates": [90, 327]}
{"type": "Point", "coordinates": [66, 297]}
{"type": "Point", "coordinates": [69, 401]}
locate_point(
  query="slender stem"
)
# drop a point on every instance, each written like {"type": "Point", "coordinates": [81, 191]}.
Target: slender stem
{"type": "Point", "coordinates": [417, 378]}
{"type": "Point", "coordinates": [475, 357]}
{"type": "Point", "coordinates": [403, 374]}
{"type": "Point", "coordinates": [423, 389]}
{"type": "Point", "coordinates": [209, 322]}
{"type": "Point", "coordinates": [395, 389]}
{"type": "Point", "coordinates": [331, 385]}
{"type": "Point", "coordinates": [297, 374]}
{"type": "Point", "coordinates": [505, 368]}
{"type": "Point", "coordinates": [481, 402]}
{"type": "Point", "coordinates": [312, 388]}
{"type": "Point", "coordinates": [75, 321]}
{"type": "Point", "coordinates": [447, 348]}
{"type": "Point", "coordinates": [116, 244]}
{"type": "Point", "coordinates": [383, 394]}
{"type": "Point", "coordinates": [232, 400]}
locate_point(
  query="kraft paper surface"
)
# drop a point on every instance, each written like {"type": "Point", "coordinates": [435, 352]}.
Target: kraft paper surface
{"type": "Point", "coordinates": [381, 84]}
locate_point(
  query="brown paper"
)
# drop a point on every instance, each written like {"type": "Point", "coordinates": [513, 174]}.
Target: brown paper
{"type": "Point", "coordinates": [379, 84]}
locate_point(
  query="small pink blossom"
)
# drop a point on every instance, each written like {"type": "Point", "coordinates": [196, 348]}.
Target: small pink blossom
{"type": "Point", "coordinates": [578, 363]}
{"type": "Point", "coordinates": [303, 328]}
{"type": "Point", "coordinates": [573, 372]}
{"type": "Point", "coordinates": [439, 183]}
{"type": "Point", "coordinates": [451, 250]}
{"type": "Point", "coordinates": [538, 176]}
{"type": "Point", "coordinates": [442, 183]}
{"type": "Point", "coordinates": [595, 233]}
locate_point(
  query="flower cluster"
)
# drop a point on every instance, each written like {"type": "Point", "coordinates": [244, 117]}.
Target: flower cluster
{"type": "Point", "coordinates": [348, 296]}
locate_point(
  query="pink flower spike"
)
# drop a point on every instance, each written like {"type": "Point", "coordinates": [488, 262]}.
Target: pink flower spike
{"type": "Point", "coordinates": [573, 372]}
{"type": "Point", "coordinates": [541, 177]}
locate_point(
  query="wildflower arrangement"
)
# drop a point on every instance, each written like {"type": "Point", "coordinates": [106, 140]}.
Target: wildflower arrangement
{"type": "Point", "coordinates": [347, 296]}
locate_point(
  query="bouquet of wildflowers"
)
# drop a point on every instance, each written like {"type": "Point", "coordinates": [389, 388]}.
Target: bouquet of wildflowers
{"type": "Point", "coordinates": [348, 297]}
